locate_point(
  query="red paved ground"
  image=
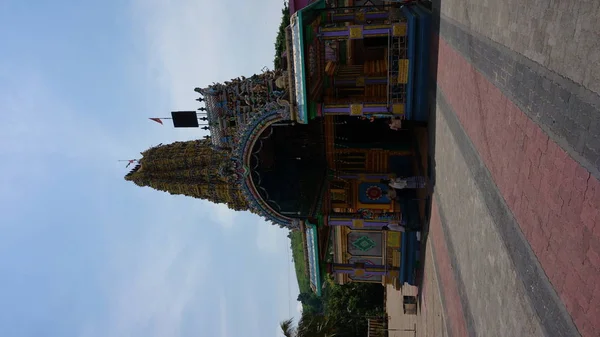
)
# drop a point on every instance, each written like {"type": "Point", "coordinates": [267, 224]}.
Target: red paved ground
{"type": "Point", "coordinates": [555, 201]}
{"type": "Point", "coordinates": [453, 307]}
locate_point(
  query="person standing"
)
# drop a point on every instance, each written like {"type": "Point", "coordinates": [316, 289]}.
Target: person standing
{"type": "Point", "coordinates": [400, 226]}
{"type": "Point", "coordinates": [397, 123]}
{"type": "Point", "coordinates": [405, 182]}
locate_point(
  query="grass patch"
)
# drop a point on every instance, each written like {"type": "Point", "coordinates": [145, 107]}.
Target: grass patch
{"type": "Point", "coordinates": [298, 256]}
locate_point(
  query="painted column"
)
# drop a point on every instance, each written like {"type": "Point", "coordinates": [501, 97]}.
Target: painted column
{"type": "Point", "coordinates": [360, 16]}
{"type": "Point", "coordinates": [361, 269]}
{"type": "Point", "coordinates": [358, 32]}
{"type": "Point", "coordinates": [358, 221]}
{"type": "Point", "coordinates": [358, 81]}
{"type": "Point", "coordinates": [364, 109]}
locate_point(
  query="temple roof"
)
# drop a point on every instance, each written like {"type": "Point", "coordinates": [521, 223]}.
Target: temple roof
{"type": "Point", "coordinates": [231, 104]}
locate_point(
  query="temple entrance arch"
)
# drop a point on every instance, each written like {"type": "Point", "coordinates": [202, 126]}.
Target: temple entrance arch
{"type": "Point", "coordinates": [288, 168]}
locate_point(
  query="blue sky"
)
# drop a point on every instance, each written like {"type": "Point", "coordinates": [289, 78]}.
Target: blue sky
{"type": "Point", "coordinates": [82, 251]}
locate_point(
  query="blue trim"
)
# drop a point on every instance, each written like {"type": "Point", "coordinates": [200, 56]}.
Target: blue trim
{"type": "Point", "coordinates": [408, 259]}
{"type": "Point", "coordinates": [412, 25]}
{"type": "Point", "coordinates": [403, 256]}
{"type": "Point", "coordinates": [421, 111]}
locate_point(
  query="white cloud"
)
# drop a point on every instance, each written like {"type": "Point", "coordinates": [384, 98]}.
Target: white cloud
{"type": "Point", "coordinates": [151, 283]}
{"type": "Point", "coordinates": [223, 315]}
{"type": "Point", "coordinates": [30, 128]}
{"type": "Point", "coordinates": [222, 214]}
{"type": "Point", "coordinates": [268, 236]}
{"type": "Point", "coordinates": [251, 310]}
{"type": "Point", "coordinates": [299, 308]}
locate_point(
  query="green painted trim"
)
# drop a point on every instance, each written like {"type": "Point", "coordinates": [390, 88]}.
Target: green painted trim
{"type": "Point", "coordinates": [300, 17]}
{"type": "Point", "coordinates": [318, 282]}
{"type": "Point", "coordinates": [312, 110]}
{"type": "Point", "coordinates": [320, 220]}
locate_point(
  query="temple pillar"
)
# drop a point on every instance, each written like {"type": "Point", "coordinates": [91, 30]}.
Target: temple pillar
{"type": "Point", "coordinates": [358, 32]}
{"type": "Point", "coordinates": [357, 220]}
{"type": "Point", "coordinates": [361, 269]}
{"type": "Point", "coordinates": [359, 81]}
{"type": "Point", "coordinates": [382, 109]}
{"type": "Point", "coordinates": [359, 16]}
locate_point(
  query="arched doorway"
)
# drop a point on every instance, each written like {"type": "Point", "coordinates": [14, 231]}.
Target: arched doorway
{"type": "Point", "coordinates": [288, 168]}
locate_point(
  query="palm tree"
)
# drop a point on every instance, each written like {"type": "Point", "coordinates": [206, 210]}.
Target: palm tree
{"type": "Point", "coordinates": [287, 327]}
{"type": "Point", "coordinates": [310, 325]}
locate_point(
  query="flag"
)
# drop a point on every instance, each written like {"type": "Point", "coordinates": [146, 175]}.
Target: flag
{"type": "Point", "coordinates": [131, 161]}
{"type": "Point", "coordinates": [157, 120]}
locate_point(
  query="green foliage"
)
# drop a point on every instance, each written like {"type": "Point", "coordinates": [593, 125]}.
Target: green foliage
{"type": "Point", "coordinates": [351, 304]}
{"type": "Point", "coordinates": [298, 256]}
{"type": "Point", "coordinates": [310, 325]}
{"type": "Point", "coordinates": [287, 327]}
{"type": "Point", "coordinates": [345, 310]}
{"type": "Point", "coordinates": [280, 39]}
{"type": "Point", "coordinates": [311, 303]}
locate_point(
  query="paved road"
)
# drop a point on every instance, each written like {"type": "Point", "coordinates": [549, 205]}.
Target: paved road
{"type": "Point", "coordinates": [516, 219]}
{"type": "Point", "coordinates": [430, 320]}
{"type": "Point", "coordinates": [515, 222]}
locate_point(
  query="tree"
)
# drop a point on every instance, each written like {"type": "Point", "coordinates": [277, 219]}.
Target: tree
{"type": "Point", "coordinates": [287, 328]}
{"type": "Point", "coordinates": [280, 39]}
{"type": "Point", "coordinates": [351, 304]}
{"type": "Point", "coordinates": [311, 303]}
{"type": "Point", "coordinates": [310, 325]}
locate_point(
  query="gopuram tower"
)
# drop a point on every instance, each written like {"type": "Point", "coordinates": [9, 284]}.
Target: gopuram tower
{"type": "Point", "coordinates": [190, 168]}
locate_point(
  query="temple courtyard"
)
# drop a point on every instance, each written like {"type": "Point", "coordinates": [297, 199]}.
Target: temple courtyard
{"type": "Point", "coordinates": [512, 247]}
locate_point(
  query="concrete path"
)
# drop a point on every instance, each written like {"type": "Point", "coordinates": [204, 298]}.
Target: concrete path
{"type": "Point", "coordinates": [429, 321]}
{"type": "Point", "coordinates": [515, 223]}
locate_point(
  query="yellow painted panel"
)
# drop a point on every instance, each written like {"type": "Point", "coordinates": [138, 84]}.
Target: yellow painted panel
{"type": "Point", "coordinates": [333, 29]}
{"type": "Point", "coordinates": [358, 223]}
{"type": "Point", "coordinates": [398, 109]}
{"type": "Point", "coordinates": [360, 81]}
{"type": "Point", "coordinates": [403, 70]}
{"type": "Point", "coordinates": [393, 239]}
{"type": "Point", "coordinates": [399, 29]}
{"type": "Point", "coordinates": [377, 26]}
{"type": "Point", "coordinates": [396, 258]}
{"type": "Point", "coordinates": [356, 32]}
{"type": "Point", "coordinates": [356, 109]}
{"type": "Point", "coordinates": [360, 16]}
{"type": "Point", "coordinates": [374, 105]}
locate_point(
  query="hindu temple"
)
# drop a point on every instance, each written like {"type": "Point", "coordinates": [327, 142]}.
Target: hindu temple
{"type": "Point", "coordinates": [310, 147]}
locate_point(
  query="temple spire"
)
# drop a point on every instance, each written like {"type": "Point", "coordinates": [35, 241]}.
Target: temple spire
{"type": "Point", "coordinates": [190, 168]}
